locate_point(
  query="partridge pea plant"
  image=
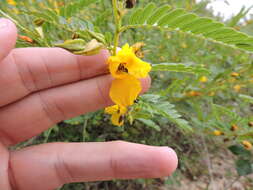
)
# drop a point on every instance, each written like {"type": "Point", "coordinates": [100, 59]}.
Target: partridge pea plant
{"type": "Point", "coordinates": [74, 26]}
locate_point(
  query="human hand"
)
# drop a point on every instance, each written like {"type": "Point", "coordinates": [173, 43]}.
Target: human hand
{"type": "Point", "coordinates": [42, 86]}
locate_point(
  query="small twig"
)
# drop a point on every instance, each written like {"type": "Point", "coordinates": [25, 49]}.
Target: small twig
{"type": "Point", "coordinates": [208, 160]}
{"type": "Point", "coordinates": [117, 20]}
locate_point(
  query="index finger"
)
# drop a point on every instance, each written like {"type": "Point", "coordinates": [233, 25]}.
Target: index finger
{"type": "Point", "coordinates": [60, 163]}
{"type": "Point", "coordinates": [27, 70]}
{"type": "Point", "coordinates": [8, 35]}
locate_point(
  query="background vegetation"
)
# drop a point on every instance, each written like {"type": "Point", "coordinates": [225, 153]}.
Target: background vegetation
{"type": "Point", "coordinates": [205, 114]}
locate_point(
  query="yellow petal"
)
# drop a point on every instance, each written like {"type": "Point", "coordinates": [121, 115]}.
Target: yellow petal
{"type": "Point", "coordinates": [115, 109]}
{"type": "Point", "coordinates": [117, 113]}
{"type": "Point", "coordinates": [139, 69]}
{"type": "Point", "coordinates": [112, 109]}
{"type": "Point", "coordinates": [11, 2]}
{"type": "Point", "coordinates": [126, 49]}
{"type": "Point", "coordinates": [117, 119]}
{"type": "Point", "coordinates": [203, 79]}
{"type": "Point", "coordinates": [131, 64]}
{"type": "Point", "coordinates": [124, 91]}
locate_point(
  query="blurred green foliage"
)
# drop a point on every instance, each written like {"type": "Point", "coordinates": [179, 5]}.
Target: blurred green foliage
{"type": "Point", "coordinates": [212, 91]}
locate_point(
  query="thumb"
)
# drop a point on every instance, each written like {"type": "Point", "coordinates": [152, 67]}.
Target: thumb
{"type": "Point", "coordinates": [8, 36]}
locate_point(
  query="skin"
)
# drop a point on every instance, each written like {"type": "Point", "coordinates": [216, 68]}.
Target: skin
{"type": "Point", "coordinates": [42, 86]}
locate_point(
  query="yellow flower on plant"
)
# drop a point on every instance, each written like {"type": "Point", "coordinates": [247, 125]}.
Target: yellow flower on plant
{"type": "Point", "coordinates": [234, 74]}
{"type": "Point", "coordinates": [218, 133]}
{"type": "Point", "coordinates": [126, 69]}
{"type": "Point", "coordinates": [11, 2]}
{"type": "Point", "coordinates": [117, 113]}
{"type": "Point", "coordinates": [203, 79]}
{"type": "Point", "coordinates": [127, 63]}
{"type": "Point", "coordinates": [237, 88]}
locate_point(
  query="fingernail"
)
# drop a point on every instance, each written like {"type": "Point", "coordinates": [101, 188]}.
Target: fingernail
{"type": "Point", "coordinates": [3, 23]}
{"type": "Point", "coordinates": [172, 158]}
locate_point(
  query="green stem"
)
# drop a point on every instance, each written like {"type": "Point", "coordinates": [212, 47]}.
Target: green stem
{"type": "Point", "coordinates": [117, 20]}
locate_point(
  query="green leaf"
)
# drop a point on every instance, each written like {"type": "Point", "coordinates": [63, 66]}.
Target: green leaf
{"type": "Point", "coordinates": [154, 104]}
{"type": "Point", "coordinates": [207, 28]}
{"type": "Point", "coordinates": [219, 33]}
{"type": "Point", "coordinates": [135, 16]}
{"type": "Point", "coordinates": [158, 14]}
{"type": "Point", "coordinates": [246, 98]}
{"type": "Point", "coordinates": [91, 48]}
{"type": "Point", "coordinates": [75, 121]}
{"type": "Point", "coordinates": [170, 17]}
{"type": "Point", "coordinates": [179, 67]}
{"type": "Point", "coordinates": [150, 123]}
{"type": "Point", "coordinates": [147, 12]}
{"type": "Point", "coordinates": [242, 13]}
{"type": "Point", "coordinates": [240, 151]}
{"type": "Point", "coordinates": [72, 8]}
{"type": "Point", "coordinates": [196, 23]}
{"type": "Point", "coordinates": [73, 45]}
{"type": "Point", "coordinates": [244, 167]}
{"type": "Point", "coordinates": [151, 97]}
{"type": "Point", "coordinates": [180, 20]}
{"type": "Point", "coordinates": [167, 110]}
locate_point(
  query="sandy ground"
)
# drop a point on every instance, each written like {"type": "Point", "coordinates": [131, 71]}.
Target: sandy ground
{"type": "Point", "coordinates": [224, 177]}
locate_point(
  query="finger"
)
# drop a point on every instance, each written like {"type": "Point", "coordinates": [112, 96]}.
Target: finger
{"type": "Point", "coordinates": [61, 163]}
{"type": "Point", "coordinates": [8, 36]}
{"type": "Point", "coordinates": [4, 178]}
{"type": "Point", "coordinates": [28, 70]}
{"type": "Point", "coordinates": [41, 110]}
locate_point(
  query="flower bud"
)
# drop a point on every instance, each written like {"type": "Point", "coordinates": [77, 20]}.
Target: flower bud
{"type": "Point", "coordinates": [234, 128]}
{"type": "Point", "coordinates": [247, 145]}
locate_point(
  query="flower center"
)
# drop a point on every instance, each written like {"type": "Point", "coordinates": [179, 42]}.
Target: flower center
{"type": "Point", "coordinates": [121, 118]}
{"type": "Point", "coordinates": [122, 68]}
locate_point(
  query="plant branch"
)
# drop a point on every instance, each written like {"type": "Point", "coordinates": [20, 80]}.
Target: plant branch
{"type": "Point", "coordinates": [117, 19]}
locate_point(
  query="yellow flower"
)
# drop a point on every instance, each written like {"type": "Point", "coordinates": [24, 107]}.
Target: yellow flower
{"type": "Point", "coordinates": [126, 63]}
{"type": "Point", "coordinates": [117, 113]}
{"type": "Point", "coordinates": [11, 2]}
{"type": "Point", "coordinates": [124, 91]}
{"type": "Point", "coordinates": [234, 74]}
{"type": "Point", "coordinates": [218, 133]}
{"type": "Point", "coordinates": [126, 69]}
{"type": "Point", "coordinates": [203, 79]}
{"type": "Point", "coordinates": [247, 145]}
{"type": "Point", "coordinates": [237, 88]}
